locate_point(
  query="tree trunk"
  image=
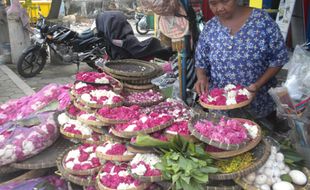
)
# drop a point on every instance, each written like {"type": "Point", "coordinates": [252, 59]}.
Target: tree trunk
{"type": "Point", "coordinates": [54, 12]}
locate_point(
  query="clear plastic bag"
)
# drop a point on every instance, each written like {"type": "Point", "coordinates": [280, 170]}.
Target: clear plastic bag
{"type": "Point", "coordinates": [298, 77]}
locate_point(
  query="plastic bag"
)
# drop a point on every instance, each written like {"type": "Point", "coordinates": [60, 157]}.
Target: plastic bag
{"type": "Point", "coordinates": [25, 138]}
{"type": "Point", "coordinates": [164, 7]}
{"type": "Point", "coordinates": [299, 74]}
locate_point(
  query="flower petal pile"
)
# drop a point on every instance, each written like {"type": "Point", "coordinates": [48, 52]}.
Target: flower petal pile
{"type": "Point", "coordinates": [84, 88]}
{"type": "Point", "coordinates": [229, 95]}
{"type": "Point", "coordinates": [113, 148]}
{"type": "Point", "coordinates": [73, 126]}
{"type": "Point", "coordinates": [144, 165]}
{"type": "Point", "coordinates": [229, 131]}
{"type": "Point", "coordinates": [116, 176]}
{"type": "Point", "coordinates": [120, 113]}
{"type": "Point", "coordinates": [82, 158]}
{"type": "Point", "coordinates": [101, 97]}
{"type": "Point", "coordinates": [99, 78]}
{"type": "Point", "coordinates": [144, 122]}
{"type": "Point", "coordinates": [180, 127]}
{"type": "Point", "coordinates": [73, 111]}
{"type": "Point", "coordinates": [143, 97]}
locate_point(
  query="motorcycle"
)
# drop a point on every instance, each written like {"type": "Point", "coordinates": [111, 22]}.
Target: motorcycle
{"type": "Point", "coordinates": [70, 46]}
{"type": "Point", "coordinates": [142, 26]}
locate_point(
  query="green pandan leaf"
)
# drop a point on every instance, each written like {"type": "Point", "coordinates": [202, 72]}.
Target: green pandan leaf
{"type": "Point", "coordinates": [286, 177]}
{"type": "Point", "coordinates": [148, 141]}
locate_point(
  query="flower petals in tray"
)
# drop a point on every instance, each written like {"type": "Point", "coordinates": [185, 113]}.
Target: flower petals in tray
{"type": "Point", "coordinates": [144, 125]}
{"type": "Point", "coordinates": [146, 98]}
{"type": "Point", "coordinates": [101, 98]}
{"type": "Point", "coordinates": [72, 111]}
{"type": "Point", "coordinates": [83, 107]}
{"type": "Point", "coordinates": [114, 151]}
{"type": "Point", "coordinates": [82, 160]}
{"type": "Point", "coordinates": [118, 115]}
{"type": "Point", "coordinates": [143, 167]}
{"type": "Point", "coordinates": [230, 97]}
{"type": "Point", "coordinates": [89, 119]}
{"type": "Point", "coordinates": [225, 133]}
{"type": "Point", "coordinates": [115, 176]}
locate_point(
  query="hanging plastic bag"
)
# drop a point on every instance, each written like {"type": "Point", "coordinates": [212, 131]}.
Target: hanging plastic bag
{"type": "Point", "coordinates": [298, 77]}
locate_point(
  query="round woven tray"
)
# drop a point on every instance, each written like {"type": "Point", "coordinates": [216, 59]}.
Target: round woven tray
{"type": "Point", "coordinates": [126, 134]}
{"type": "Point", "coordinates": [96, 106]}
{"type": "Point", "coordinates": [222, 185]}
{"type": "Point", "coordinates": [89, 172]}
{"type": "Point", "coordinates": [74, 136]}
{"type": "Point", "coordinates": [123, 158]}
{"type": "Point", "coordinates": [149, 178]}
{"type": "Point", "coordinates": [261, 153]}
{"type": "Point", "coordinates": [90, 122]}
{"type": "Point", "coordinates": [72, 178]}
{"type": "Point", "coordinates": [117, 90]}
{"type": "Point", "coordinates": [136, 149]}
{"type": "Point", "coordinates": [84, 108]}
{"type": "Point", "coordinates": [144, 104]}
{"type": "Point", "coordinates": [226, 107]}
{"type": "Point", "coordinates": [252, 144]}
{"type": "Point", "coordinates": [210, 141]}
{"type": "Point", "coordinates": [139, 87]}
{"type": "Point", "coordinates": [130, 67]}
{"type": "Point", "coordinates": [111, 121]}
{"type": "Point", "coordinates": [46, 158]}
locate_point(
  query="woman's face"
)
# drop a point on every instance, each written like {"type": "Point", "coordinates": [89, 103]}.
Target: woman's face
{"type": "Point", "coordinates": [223, 8]}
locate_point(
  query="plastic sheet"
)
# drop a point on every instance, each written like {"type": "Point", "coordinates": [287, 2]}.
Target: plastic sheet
{"type": "Point", "coordinates": [25, 138]}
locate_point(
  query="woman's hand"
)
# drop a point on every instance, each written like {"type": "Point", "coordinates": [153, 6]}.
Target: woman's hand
{"type": "Point", "coordinates": [202, 86]}
{"type": "Point", "coordinates": [253, 88]}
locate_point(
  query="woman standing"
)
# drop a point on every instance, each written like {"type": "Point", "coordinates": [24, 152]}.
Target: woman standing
{"type": "Point", "coordinates": [240, 45]}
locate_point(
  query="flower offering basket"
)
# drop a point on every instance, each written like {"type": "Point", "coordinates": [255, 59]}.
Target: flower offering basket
{"type": "Point", "coordinates": [129, 134]}
{"type": "Point", "coordinates": [214, 118]}
{"type": "Point", "coordinates": [119, 158]}
{"type": "Point", "coordinates": [260, 153]}
{"type": "Point", "coordinates": [109, 121]}
{"type": "Point", "coordinates": [139, 87]}
{"type": "Point", "coordinates": [74, 179]}
{"type": "Point", "coordinates": [118, 89]}
{"type": "Point", "coordinates": [226, 107]}
{"type": "Point", "coordinates": [74, 136]}
{"type": "Point", "coordinates": [136, 149]}
{"type": "Point", "coordinates": [83, 108]}
{"type": "Point", "coordinates": [91, 122]}
{"type": "Point", "coordinates": [145, 104]}
{"type": "Point", "coordinates": [96, 106]}
{"type": "Point", "coordinates": [100, 186]}
{"type": "Point", "coordinates": [87, 172]}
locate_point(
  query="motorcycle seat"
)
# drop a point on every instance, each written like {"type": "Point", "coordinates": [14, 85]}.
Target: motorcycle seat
{"type": "Point", "coordinates": [86, 34]}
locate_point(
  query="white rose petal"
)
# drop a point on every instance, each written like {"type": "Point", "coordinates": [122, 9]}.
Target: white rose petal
{"type": "Point", "coordinates": [139, 170]}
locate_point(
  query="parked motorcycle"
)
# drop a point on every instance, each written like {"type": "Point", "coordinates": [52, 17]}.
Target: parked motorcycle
{"type": "Point", "coordinates": [70, 46]}
{"type": "Point", "coordinates": [142, 26]}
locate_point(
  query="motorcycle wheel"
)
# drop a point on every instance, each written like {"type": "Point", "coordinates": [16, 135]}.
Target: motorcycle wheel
{"type": "Point", "coordinates": [31, 63]}
{"type": "Point", "coordinates": [141, 31]}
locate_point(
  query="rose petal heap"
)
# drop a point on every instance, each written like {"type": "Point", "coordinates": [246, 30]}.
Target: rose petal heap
{"type": "Point", "coordinates": [73, 126]}
{"type": "Point", "coordinates": [180, 128]}
{"type": "Point", "coordinates": [101, 97]}
{"type": "Point", "coordinates": [144, 122]}
{"type": "Point", "coordinates": [82, 158]}
{"type": "Point", "coordinates": [84, 88]}
{"type": "Point", "coordinates": [229, 95]}
{"type": "Point", "coordinates": [120, 113]}
{"type": "Point", "coordinates": [229, 131]}
{"type": "Point", "coordinates": [143, 97]}
{"type": "Point", "coordinates": [94, 139]}
{"type": "Point", "coordinates": [113, 148]}
{"type": "Point", "coordinates": [116, 176]}
{"type": "Point", "coordinates": [89, 118]}
{"type": "Point", "coordinates": [73, 111]}
{"type": "Point", "coordinates": [144, 165]}
{"type": "Point", "coordinates": [99, 78]}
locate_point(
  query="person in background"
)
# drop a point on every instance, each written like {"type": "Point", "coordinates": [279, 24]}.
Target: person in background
{"type": "Point", "coordinates": [240, 45]}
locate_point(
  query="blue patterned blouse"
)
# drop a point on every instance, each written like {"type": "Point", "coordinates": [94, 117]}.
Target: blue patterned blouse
{"type": "Point", "coordinates": [244, 57]}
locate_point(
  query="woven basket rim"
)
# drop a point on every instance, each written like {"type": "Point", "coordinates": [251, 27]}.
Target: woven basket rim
{"type": "Point", "coordinates": [90, 122]}
{"type": "Point", "coordinates": [252, 144]}
{"type": "Point", "coordinates": [84, 108]}
{"type": "Point", "coordinates": [130, 73]}
{"type": "Point", "coordinates": [149, 178]}
{"type": "Point", "coordinates": [139, 87]}
{"type": "Point", "coordinates": [226, 107]}
{"type": "Point", "coordinates": [255, 166]}
{"type": "Point", "coordinates": [189, 138]}
{"type": "Point", "coordinates": [75, 136]}
{"type": "Point", "coordinates": [130, 134]}
{"type": "Point", "coordinates": [120, 158]}
{"type": "Point", "coordinates": [101, 84]}
{"type": "Point", "coordinates": [135, 149]}
{"type": "Point", "coordinates": [110, 121]}
{"type": "Point", "coordinates": [232, 187]}
{"type": "Point", "coordinates": [212, 142]}
{"type": "Point", "coordinates": [75, 179]}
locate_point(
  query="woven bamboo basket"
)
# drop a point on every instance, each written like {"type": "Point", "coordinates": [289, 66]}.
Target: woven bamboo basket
{"type": "Point", "coordinates": [100, 130]}
{"type": "Point", "coordinates": [96, 106]}
{"type": "Point", "coordinates": [149, 178]}
{"type": "Point", "coordinates": [222, 185]}
{"type": "Point", "coordinates": [72, 95]}
{"type": "Point", "coordinates": [72, 178]}
{"type": "Point", "coordinates": [210, 141]}
{"type": "Point", "coordinates": [261, 153]}
{"type": "Point", "coordinates": [90, 122]}
{"type": "Point", "coordinates": [129, 134]}
{"type": "Point", "coordinates": [226, 107]}
{"type": "Point", "coordinates": [246, 186]}
{"type": "Point", "coordinates": [85, 108]}
{"type": "Point", "coordinates": [109, 121]}
{"type": "Point", "coordinates": [252, 144]}
{"type": "Point", "coordinates": [46, 158]}
{"type": "Point", "coordinates": [115, 89]}
{"type": "Point", "coordinates": [74, 136]}
{"type": "Point", "coordinates": [100, 186]}
{"type": "Point", "coordinates": [130, 67]}
{"type": "Point", "coordinates": [123, 158]}
{"type": "Point", "coordinates": [136, 149]}
{"type": "Point", "coordinates": [113, 138]}
{"type": "Point", "coordinates": [87, 172]}
{"type": "Point", "coordinates": [139, 87]}
{"type": "Point", "coordinates": [69, 115]}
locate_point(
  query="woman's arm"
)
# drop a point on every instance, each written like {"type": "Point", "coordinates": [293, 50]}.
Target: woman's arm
{"type": "Point", "coordinates": [202, 83]}
{"type": "Point", "coordinates": [270, 72]}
